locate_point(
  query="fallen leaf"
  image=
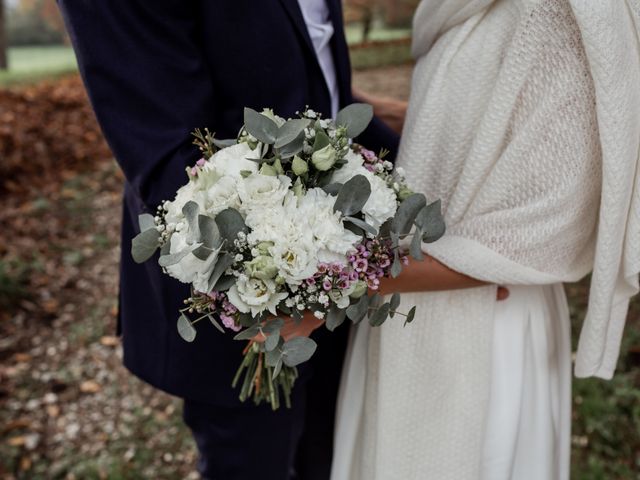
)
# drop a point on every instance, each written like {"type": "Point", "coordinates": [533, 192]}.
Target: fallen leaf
{"type": "Point", "coordinates": [109, 341]}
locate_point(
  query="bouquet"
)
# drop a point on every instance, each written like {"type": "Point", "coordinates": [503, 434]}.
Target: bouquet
{"type": "Point", "coordinates": [289, 217]}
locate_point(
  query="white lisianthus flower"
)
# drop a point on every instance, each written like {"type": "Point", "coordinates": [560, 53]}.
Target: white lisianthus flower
{"type": "Point", "coordinates": [191, 269]}
{"type": "Point", "coordinates": [232, 160]}
{"type": "Point", "coordinates": [255, 295]}
{"type": "Point", "coordinates": [173, 210]}
{"type": "Point", "coordinates": [222, 195]}
{"type": "Point", "coordinates": [262, 191]}
{"type": "Point", "coordinates": [295, 260]}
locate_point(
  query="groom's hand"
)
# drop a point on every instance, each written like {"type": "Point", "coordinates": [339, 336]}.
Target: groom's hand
{"type": "Point", "coordinates": [291, 329]}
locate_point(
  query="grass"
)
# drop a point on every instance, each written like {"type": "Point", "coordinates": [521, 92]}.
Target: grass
{"type": "Point", "coordinates": [31, 64]}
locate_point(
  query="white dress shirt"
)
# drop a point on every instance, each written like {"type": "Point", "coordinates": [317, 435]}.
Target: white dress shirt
{"type": "Point", "coordinates": [317, 17]}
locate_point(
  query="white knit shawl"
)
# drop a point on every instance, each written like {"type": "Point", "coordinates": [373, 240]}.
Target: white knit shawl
{"type": "Point", "coordinates": [609, 243]}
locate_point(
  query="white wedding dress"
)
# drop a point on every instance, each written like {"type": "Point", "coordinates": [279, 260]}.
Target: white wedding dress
{"type": "Point", "coordinates": [524, 119]}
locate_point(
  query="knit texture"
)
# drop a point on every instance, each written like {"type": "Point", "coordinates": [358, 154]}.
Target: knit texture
{"type": "Point", "coordinates": [524, 121]}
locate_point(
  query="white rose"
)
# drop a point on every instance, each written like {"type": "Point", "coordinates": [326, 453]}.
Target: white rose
{"type": "Point", "coordinates": [222, 195]}
{"type": "Point", "coordinates": [191, 269]}
{"type": "Point", "coordinates": [255, 295]}
{"type": "Point", "coordinates": [262, 191]}
{"type": "Point", "coordinates": [173, 210]}
{"type": "Point", "coordinates": [232, 160]}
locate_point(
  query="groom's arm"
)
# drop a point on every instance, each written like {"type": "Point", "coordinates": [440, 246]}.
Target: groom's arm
{"type": "Point", "coordinates": [147, 82]}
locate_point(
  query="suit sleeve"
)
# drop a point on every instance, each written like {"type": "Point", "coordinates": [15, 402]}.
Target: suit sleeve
{"type": "Point", "coordinates": [377, 136]}
{"type": "Point", "coordinates": [148, 83]}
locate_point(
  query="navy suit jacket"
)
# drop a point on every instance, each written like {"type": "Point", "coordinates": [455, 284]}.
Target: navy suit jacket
{"type": "Point", "coordinates": [154, 71]}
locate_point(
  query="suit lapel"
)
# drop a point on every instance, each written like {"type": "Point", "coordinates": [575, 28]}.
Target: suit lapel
{"type": "Point", "coordinates": [295, 14]}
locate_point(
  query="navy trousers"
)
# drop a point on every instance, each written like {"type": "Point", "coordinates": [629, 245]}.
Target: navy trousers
{"type": "Point", "coordinates": [246, 442]}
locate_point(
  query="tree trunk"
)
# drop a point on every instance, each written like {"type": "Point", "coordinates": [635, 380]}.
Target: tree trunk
{"type": "Point", "coordinates": [3, 39]}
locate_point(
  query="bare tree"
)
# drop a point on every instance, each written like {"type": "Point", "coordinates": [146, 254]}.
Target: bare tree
{"type": "Point", "coordinates": [3, 38]}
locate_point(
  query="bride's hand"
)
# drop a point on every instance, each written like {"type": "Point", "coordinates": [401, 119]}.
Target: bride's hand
{"type": "Point", "coordinates": [429, 275]}
{"type": "Point", "coordinates": [291, 329]}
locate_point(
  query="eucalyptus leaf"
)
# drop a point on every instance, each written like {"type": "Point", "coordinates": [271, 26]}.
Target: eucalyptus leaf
{"type": "Point", "coordinates": [298, 350]}
{"type": "Point", "coordinates": [209, 233]}
{"type": "Point", "coordinates": [224, 262]}
{"type": "Point", "coordinates": [407, 213]}
{"type": "Point", "coordinates": [260, 126]}
{"type": "Point", "coordinates": [190, 211]}
{"type": "Point", "coordinates": [246, 320]}
{"type": "Point", "coordinates": [358, 310]}
{"type": "Point", "coordinates": [288, 132]}
{"type": "Point", "coordinates": [380, 315]}
{"type": "Point", "coordinates": [215, 323]}
{"type": "Point", "coordinates": [248, 334]}
{"type": "Point", "coordinates": [396, 266]}
{"type": "Point", "coordinates": [362, 224]}
{"type": "Point", "coordinates": [335, 317]}
{"type": "Point", "coordinates": [274, 356]}
{"type": "Point", "coordinates": [146, 221]}
{"type": "Point", "coordinates": [353, 195]}
{"type": "Point", "coordinates": [224, 143]}
{"type": "Point", "coordinates": [185, 329]}
{"type": "Point", "coordinates": [292, 148]}
{"type": "Point", "coordinates": [355, 117]}
{"type": "Point", "coordinates": [202, 252]}
{"type": "Point", "coordinates": [144, 245]}
{"type": "Point", "coordinates": [416, 245]}
{"type": "Point", "coordinates": [410, 315]}
{"type": "Point", "coordinates": [271, 342]}
{"type": "Point", "coordinates": [321, 140]}
{"type": "Point", "coordinates": [230, 223]}
{"type": "Point", "coordinates": [394, 303]}
{"type": "Point", "coordinates": [273, 326]}
{"type": "Point", "coordinates": [332, 189]}
{"type": "Point", "coordinates": [172, 259]}
{"type": "Point", "coordinates": [431, 221]}
{"type": "Point", "coordinates": [224, 283]}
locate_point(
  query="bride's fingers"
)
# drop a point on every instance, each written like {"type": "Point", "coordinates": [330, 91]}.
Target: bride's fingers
{"type": "Point", "coordinates": [503, 293]}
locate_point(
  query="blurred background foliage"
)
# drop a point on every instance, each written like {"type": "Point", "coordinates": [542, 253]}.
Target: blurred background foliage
{"type": "Point", "coordinates": [68, 409]}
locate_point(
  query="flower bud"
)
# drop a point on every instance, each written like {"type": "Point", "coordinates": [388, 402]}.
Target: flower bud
{"type": "Point", "coordinates": [299, 166]}
{"type": "Point", "coordinates": [262, 267]}
{"type": "Point", "coordinates": [324, 158]}
{"type": "Point", "coordinates": [360, 289]}
{"type": "Point", "coordinates": [404, 193]}
{"type": "Point", "coordinates": [268, 170]}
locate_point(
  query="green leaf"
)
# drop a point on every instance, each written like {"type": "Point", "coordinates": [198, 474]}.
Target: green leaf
{"type": "Point", "coordinates": [248, 334]}
{"type": "Point", "coordinates": [144, 245]}
{"type": "Point", "coordinates": [380, 315]}
{"type": "Point", "coordinates": [298, 350]}
{"type": "Point", "coordinates": [335, 317]}
{"type": "Point", "coordinates": [230, 223]}
{"type": "Point", "coordinates": [271, 342]}
{"type": "Point", "coordinates": [224, 143]}
{"type": "Point", "coordinates": [358, 310]}
{"type": "Point", "coordinates": [209, 233]}
{"type": "Point", "coordinates": [321, 140]}
{"type": "Point", "coordinates": [173, 258]}
{"type": "Point", "coordinates": [292, 148]}
{"type": "Point", "coordinates": [215, 323]}
{"type": "Point", "coordinates": [394, 303]}
{"type": "Point", "coordinates": [431, 221]}
{"type": "Point", "coordinates": [355, 117]}
{"type": "Point", "coordinates": [362, 224]}
{"type": "Point", "coordinates": [353, 195]}
{"type": "Point", "coordinates": [272, 357]}
{"type": "Point", "coordinates": [332, 189]}
{"type": "Point", "coordinates": [225, 283]}
{"type": "Point", "coordinates": [288, 132]}
{"type": "Point", "coordinates": [146, 221]}
{"type": "Point", "coordinates": [410, 316]}
{"type": "Point", "coordinates": [396, 266]}
{"type": "Point", "coordinates": [273, 326]}
{"type": "Point", "coordinates": [190, 211]}
{"type": "Point", "coordinates": [185, 329]}
{"type": "Point", "coordinates": [224, 262]}
{"type": "Point", "coordinates": [416, 244]}
{"type": "Point", "coordinates": [202, 252]}
{"type": "Point", "coordinates": [407, 212]}
{"type": "Point", "coordinates": [260, 126]}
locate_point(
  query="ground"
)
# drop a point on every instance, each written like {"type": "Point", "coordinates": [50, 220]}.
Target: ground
{"type": "Point", "coordinates": [68, 409]}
